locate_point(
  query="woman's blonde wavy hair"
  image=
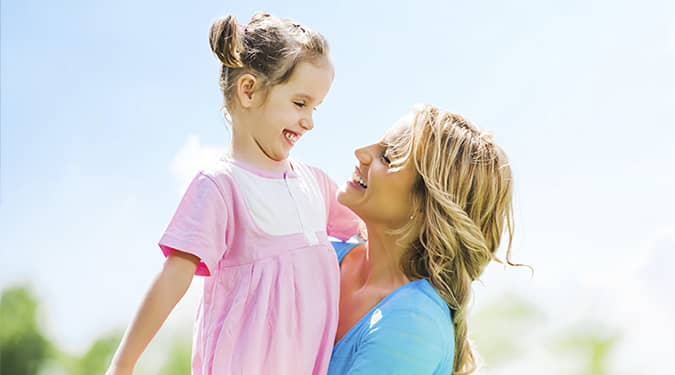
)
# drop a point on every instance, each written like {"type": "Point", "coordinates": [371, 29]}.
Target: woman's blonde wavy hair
{"type": "Point", "coordinates": [461, 208]}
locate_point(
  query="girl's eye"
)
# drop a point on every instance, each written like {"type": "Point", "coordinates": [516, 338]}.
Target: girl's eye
{"type": "Point", "coordinates": [299, 104]}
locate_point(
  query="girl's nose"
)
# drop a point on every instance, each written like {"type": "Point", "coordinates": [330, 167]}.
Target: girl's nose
{"type": "Point", "coordinates": [307, 124]}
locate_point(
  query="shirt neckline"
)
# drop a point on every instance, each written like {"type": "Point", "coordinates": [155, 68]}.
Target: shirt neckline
{"type": "Point", "coordinates": [289, 172]}
{"type": "Point", "coordinates": [369, 313]}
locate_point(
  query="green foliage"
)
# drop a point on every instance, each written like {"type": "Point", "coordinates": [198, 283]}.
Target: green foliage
{"type": "Point", "coordinates": [179, 359]}
{"type": "Point", "coordinates": [497, 328]}
{"type": "Point", "coordinates": [593, 341]}
{"type": "Point", "coordinates": [97, 358]}
{"type": "Point", "coordinates": [23, 348]}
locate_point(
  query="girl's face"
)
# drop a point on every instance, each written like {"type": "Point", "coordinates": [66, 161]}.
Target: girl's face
{"type": "Point", "coordinates": [378, 193]}
{"type": "Point", "coordinates": [286, 111]}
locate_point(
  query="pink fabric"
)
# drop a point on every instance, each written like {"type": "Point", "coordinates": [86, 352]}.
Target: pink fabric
{"type": "Point", "coordinates": [270, 303]}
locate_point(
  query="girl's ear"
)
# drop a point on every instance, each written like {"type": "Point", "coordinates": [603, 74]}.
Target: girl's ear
{"type": "Point", "coordinates": [246, 88]}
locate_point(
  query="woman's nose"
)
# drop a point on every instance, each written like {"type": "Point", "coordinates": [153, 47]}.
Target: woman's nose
{"type": "Point", "coordinates": [363, 155]}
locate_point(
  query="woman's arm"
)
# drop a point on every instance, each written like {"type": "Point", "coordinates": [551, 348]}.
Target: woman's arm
{"type": "Point", "coordinates": [166, 290]}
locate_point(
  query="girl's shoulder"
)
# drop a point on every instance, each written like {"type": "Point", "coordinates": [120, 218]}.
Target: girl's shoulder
{"type": "Point", "coordinates": [216, 175]}
{"type": "Point", "coordinates": [305, 169]}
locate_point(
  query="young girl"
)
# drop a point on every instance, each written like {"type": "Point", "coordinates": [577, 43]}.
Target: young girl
{"type": "Point", "coordinates": [257, 223]}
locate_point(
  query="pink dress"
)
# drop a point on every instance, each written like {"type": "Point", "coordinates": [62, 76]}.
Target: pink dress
{"type": "Point", "coordinates": [270, 303]}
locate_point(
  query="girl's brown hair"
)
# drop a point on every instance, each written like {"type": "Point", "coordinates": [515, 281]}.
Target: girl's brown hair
{"type": "Point", "coordinates": [268, 47]}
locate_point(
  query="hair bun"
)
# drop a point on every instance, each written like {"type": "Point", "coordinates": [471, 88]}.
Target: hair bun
{"type": "Point", "coordinates": [226, 40]}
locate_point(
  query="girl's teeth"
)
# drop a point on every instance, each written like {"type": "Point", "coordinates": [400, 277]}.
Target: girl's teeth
{"type": "Point", "coordinates": [290, 136]}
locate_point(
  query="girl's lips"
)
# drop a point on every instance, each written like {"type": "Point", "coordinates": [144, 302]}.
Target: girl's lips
{"type": "Point", "coordinates": [290, 136]}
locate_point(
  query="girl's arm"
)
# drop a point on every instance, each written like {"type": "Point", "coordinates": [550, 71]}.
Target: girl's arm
{"type": "Point", "coordinates": [166, 290]}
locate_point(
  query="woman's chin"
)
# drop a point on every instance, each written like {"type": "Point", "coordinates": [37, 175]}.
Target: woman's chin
{"type": "Point", "coordinates": [341, 196]}
{"type": "Point", "coordinates": [345, 197]}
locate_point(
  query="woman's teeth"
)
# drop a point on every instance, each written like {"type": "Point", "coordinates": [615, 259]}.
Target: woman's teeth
{"type": "Point", "coordinates": [356, 178]}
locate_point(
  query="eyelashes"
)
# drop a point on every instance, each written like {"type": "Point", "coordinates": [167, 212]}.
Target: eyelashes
{"type": "Point", "coordinates": [384, 157]}
{"type": "Point", "coordinates": [303, 105]}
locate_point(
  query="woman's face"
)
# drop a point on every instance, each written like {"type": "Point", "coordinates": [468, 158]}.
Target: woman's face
{"type": "Point", "coordinates": [378, 193]}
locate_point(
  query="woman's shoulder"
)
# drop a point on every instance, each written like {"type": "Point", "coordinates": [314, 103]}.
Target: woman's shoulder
{"type": "Point", "coordinates": [412, 321]}
{"type": "Point", "coordinates": [419, 302]}
{"type": "Point", "coordinates": [422, 292]}
{"type": "Point", "coordinates": [343, 248]}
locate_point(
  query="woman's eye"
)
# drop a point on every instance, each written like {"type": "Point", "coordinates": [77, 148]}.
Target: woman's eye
{"type": "Point", "coordinates": [299, 104]}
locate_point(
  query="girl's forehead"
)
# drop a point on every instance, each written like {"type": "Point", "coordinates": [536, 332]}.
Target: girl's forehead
{"type": "Point", "coordinates": [312, 80]}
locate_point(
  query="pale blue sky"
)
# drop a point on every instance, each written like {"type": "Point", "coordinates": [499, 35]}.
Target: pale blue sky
{"type": "Point", "coordinates": [108, 105]}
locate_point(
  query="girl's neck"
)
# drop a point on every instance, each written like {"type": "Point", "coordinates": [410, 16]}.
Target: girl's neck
{"type": "Point", "coordinates": [243, 151]}
{"type": "Point", "coordinates": [381, 264]}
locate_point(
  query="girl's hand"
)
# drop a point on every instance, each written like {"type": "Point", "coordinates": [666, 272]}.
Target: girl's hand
{"type": "Point", "coordinates": [118, 370]}
{"type": "Point", "coordinates": [166, 290]}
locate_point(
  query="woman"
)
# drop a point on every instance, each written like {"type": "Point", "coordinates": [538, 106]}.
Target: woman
{"type": "Point", "coordinates": [435, 197]}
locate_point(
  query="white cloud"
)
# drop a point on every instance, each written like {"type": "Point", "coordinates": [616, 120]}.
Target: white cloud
{"type": "Point", "coordinates": [192, 157]}
{"type": "Point", "coordinates": [634, 296]}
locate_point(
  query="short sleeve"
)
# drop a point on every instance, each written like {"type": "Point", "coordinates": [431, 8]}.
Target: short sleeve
{"type": "Point", "coordinates": [342, 223]}
{"type": "Point", "coordinates": [198, 227]}
{"type": "Point", "coordinates": [342, 248]}
{"type": "Point", "coordinates": [401, 342]}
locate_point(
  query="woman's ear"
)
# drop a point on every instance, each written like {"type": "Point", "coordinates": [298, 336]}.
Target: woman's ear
{"type": "Point", "coordinates": [246, 88]}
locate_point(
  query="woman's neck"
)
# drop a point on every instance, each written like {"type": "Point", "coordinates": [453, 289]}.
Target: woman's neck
{"type": "Point", "coordinates": [381, 264]}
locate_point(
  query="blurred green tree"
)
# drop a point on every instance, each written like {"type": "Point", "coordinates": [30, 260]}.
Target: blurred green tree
{"type": "Point", "coordinates": [23, 347]}
{"type": "Point", "coordinates": [97, 358]}
{"type": "Point", "coordinates": [592, 340]}
{"type": "Point", "coordinates": [497, 328]}
{"type": "Point", "coordinates": [180, 358]}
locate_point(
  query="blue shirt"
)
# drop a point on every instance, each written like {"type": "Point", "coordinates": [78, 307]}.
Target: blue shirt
{"type": "Point", "coordinates": [409, 332]}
